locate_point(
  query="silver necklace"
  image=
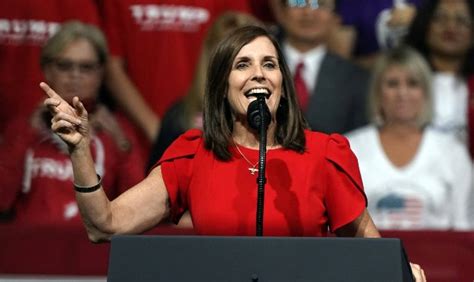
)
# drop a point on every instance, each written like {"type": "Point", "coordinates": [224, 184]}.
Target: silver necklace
{"type": "Point", "coordinates": [252, 169]}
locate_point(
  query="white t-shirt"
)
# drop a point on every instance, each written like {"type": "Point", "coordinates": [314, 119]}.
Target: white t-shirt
{"type": "Point", "coordinates": [450, 99]}
{"type": "Point", "coordinates": [433, 191]}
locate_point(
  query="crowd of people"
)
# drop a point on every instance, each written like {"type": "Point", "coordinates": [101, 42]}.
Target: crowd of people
{"type": "Point", "coordinates": [159, 123]}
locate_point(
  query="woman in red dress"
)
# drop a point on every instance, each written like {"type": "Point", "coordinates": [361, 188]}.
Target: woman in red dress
{"type": "Point", "coordinates": [313, 181]}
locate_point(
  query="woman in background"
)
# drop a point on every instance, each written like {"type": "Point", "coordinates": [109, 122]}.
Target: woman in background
{"type": "Point", "coordinates": [414, 177]}
{"type": "Point", "coordinates": [443, 32]}
{"type": "Point", "coordinates": [36, 172]}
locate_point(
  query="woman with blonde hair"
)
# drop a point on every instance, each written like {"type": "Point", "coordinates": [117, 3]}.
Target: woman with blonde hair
{"type": "Point", "coordinates": [415, 177]}
{"type": "Point", "coordinates": [36, 172]}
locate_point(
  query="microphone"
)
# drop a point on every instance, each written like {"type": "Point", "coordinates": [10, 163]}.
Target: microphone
{"type": "Point", "coordinates": [256, 110]}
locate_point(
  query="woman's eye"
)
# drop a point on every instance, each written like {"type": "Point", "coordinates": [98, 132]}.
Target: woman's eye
{"type": "Point", "coordinates": [241, 65]}
{"type": "Point", "coordinates": [392, 83]}
{"type": "Point", "coordinates": [269, 65]}
{"type": "Point", "coordinates": [414, 83]}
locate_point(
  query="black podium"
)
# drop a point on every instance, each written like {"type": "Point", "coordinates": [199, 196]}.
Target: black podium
{"type": "Point", "coordinates": [262, 259]}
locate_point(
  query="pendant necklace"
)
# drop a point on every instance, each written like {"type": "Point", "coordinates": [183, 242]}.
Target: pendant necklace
{"type": "Point", "coordinates": [253, 167]}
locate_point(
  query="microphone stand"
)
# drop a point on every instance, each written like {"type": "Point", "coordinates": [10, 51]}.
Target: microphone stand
{"type": "Point", "coordinates": [261, 180]}
{"type": "Point", "coordinates": [258, 117]}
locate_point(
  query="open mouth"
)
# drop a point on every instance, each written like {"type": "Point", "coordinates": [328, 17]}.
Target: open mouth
{"type": "Point", "coordinates": [255, 92]}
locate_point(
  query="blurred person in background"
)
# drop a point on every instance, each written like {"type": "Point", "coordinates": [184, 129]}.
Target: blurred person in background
{"type": "Point", "coordinates": [187, 113]}
{"type": "Point", "coordinates": [443, 32]}
{"type": "Point", "coordinates": [154, 50]}
{"type": "Point", "coordinates": [470, 116]}
{"type": "Point", "coordinates": [415, 177]}
{"type": "Point", "coordinates": [377, 25]}
{"type": "Point", "coordinates": [35, 170]}
{"type": "Point", "coordinates": [331, 90]}
{"type": "Point", "coordinates": [25, 26]}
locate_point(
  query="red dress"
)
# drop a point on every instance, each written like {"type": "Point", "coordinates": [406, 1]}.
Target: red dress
{"type": "Point", "coordinates": [304, 194]}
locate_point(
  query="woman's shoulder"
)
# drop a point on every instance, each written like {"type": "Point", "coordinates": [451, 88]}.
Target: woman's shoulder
{"type": "Point", "coordinates": [186, 145]}
{"type": "Point", "coordinates": [329, 144]}
{"type": "Point", "coordinates": [316, 139]}
{"type": "Point", "coordinates": [336, 151]}
{"type": "Point", "coordinates": [191, 135]}
{"type": "Point", "coordinates": [441, 136]}
{"type": "Point", "coordinates": [188, 141]}
{"type": "Point", "coordinates": [444, 142]}
{"type": "Point", "coordinates": [21, 132]}
{"type": "Point", "coordinates": [363, 140]}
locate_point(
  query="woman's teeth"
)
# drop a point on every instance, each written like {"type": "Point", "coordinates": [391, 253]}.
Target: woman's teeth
{"type": "Point", "coordinates": [258, 91]}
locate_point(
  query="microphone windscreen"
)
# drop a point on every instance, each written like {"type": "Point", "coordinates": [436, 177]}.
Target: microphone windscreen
{"type": "Point", "coordinates": [257, 110]}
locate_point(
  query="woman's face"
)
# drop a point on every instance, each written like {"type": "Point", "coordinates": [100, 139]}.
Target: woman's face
{"type": "Point", "coordinates": [255, 69]}
{"type": "Point", "coordinates": [76, 71]}
{"type": "Point", "coordinates": [450, 32]}
{"type": "Point", "coordinates": [402, 95]}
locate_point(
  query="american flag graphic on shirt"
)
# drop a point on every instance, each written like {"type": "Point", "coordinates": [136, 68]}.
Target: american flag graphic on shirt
{"type": "Point", "coordinates": [395, 211]}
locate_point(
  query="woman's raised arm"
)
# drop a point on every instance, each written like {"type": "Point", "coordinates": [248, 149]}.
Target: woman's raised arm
{"type": "Point", "coordinates": [136, 210]}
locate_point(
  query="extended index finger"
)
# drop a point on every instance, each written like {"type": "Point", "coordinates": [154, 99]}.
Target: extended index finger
{"type": "Point", "coordinates": [49, 91]}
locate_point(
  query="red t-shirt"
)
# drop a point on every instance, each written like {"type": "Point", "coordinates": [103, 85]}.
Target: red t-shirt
{"type": "Point", "coordinates": [160, 40]}
{"type": "Point", "coordinates": [25, 26]}
{"type": "Point", "coordinates": [304, 194]}
{"type": "Point", "coordinates": [36, 176]}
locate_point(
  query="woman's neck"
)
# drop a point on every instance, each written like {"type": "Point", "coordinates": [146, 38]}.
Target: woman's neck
{"type": "Point", "coordinates": [449, 64]}
{"type": "Point", "coordinates": [400, 143]}
{"type": "Point", "coordinates": [399, 129]}
{"type": "Point", "coordinates": [245, 136]}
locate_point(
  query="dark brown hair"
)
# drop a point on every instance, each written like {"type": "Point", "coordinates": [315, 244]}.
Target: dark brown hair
{"type": "Point", "coordinates": [218, 121]}
{"type": "Point", "coordinates": [223, 25]}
